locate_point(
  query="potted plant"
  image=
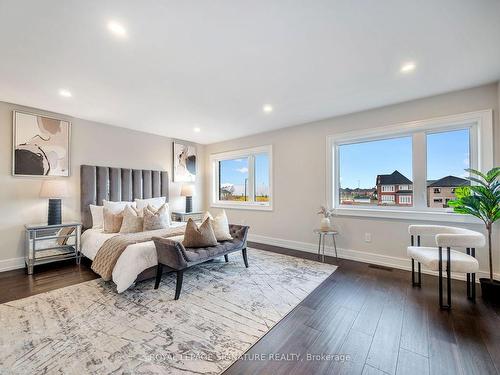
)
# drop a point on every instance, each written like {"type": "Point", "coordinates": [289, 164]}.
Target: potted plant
{"type": "Point", "coordinates": [482, 200]}
{"type": "Point", "coordinates": [325, 224]}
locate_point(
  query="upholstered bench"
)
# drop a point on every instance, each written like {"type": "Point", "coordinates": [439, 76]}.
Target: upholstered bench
{"type": "Point", "coordinates": [176, 257]}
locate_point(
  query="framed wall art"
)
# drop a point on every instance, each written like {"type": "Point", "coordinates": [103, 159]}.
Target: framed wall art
{"type": "Point", "coordinates": [41, 146]}
{"type": "Point", "coordinates": [184, 169]}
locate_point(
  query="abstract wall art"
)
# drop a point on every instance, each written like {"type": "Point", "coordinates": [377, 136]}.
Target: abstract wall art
{"type": "Point", "coordinates": [41, 145]}
{"type": "Point", "coordinates": [184, 162]}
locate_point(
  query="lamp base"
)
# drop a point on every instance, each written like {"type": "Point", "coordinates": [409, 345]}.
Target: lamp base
{"type": "Point", "coordinates": [54, 216]}
{"type": "Point", "coordinates": [189, 204]}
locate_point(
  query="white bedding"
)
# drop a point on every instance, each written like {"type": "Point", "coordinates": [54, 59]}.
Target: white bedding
{"type": "Point", "coordinates": [135, 259]}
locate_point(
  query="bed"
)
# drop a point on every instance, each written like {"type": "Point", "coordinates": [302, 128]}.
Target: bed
{"type": "Point", "coordinates": [138, 261]}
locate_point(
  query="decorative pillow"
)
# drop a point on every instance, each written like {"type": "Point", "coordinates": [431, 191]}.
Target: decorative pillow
{"type": "Point", "coordinates": [97, 214]}
{"type": "Point", "coordinates": [132, 220]}
{"type": "Point", "coordinates": [153, 202]}
{"type": "Point", "coordinates": [202, 236]}
{"type": "Point", "coordinates": [112, 221]}
{"type": "Point", "coordinates": [63, 235]}
{"type": "Point", "coordinates": [156, 219]}
{"type": "Point", "coordinates": [220, 225]}
{"type": "Point", "coordinates": [117, 207]}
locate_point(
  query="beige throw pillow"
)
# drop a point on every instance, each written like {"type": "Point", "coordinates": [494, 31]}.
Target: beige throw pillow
{"type": "Point", "coordinates": [156, 219]}
{"type": "Point", "coordinates": [112, 221]}
{"type": "Point", "coordinates": [220, 225]}
{"type": "Point", "coordinates": [132, 220]}
{"type": "Point", "coordinates": [201, 236]}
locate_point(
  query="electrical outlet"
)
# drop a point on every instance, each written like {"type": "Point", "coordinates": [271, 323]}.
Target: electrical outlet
{"type": "Point", "coordinates": [368, 237]}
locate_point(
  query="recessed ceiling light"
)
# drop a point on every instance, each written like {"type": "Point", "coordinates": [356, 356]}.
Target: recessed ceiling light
{"type": "Point", "coordinates": [268, 108]}
{"type": "Point", "coordinates": [408, 67]}
{"type": "Point", "coordinates": [117, 29]}
{"type": "Point", "coordinates": [196, 129]}
{"type": "Point", "coordinates": [65, 93]}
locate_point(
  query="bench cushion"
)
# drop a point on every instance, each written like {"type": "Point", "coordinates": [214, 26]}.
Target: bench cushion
{"type": "Point", "coordinates": [429, 257]}
{"type": "Point", "coordinates": [204, 253]}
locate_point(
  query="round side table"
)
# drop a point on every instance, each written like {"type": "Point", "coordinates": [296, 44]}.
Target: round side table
{"type": "Point", "coordinates": [322, 234]}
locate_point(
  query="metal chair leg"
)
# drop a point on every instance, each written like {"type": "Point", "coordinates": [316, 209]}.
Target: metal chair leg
{"type": "Point", "coordinates": [413, 272]}
{"type": "Point", "coordinates": [448, 276]}
{"type": "Point", "coordinates": [473, 281]}
{"type": "Point", "coordinates": [419, 275]}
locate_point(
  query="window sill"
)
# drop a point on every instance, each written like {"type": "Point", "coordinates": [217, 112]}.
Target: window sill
{"type": "Point", "coordinates": [446, 217]}
{"type": "Point", "coordinates": [233, 206]}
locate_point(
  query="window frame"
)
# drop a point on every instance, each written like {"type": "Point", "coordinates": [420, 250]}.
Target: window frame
{"type": "Point", "coordinates": [249, 153]}
{"type": "Point", "coordinates": [480, 124]}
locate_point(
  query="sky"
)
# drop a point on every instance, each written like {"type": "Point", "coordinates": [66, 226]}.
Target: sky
{"type": "Point", "coordinates": [235, 171]}
{"type": "Point", "coordinates": [360, 163]}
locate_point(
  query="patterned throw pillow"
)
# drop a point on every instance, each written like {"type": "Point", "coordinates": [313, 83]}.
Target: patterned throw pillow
{"type": "Point", "coordinates": [133, 221]}
{"type": "Point", "coordinates": [156, 219]}
{"type": "Point", "coordinates": [201, 236]}
{"type": "Point", "coordinates": [112, 221]}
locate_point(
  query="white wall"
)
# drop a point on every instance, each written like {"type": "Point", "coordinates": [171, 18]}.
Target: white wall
{"type": "Point", "coordinates": [300, 185]}
{"type": "Point", "coordinates": [92, 143]}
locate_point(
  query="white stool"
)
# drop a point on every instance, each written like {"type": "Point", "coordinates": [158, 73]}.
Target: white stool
{"type": "Point", "coordinates": [456, 261]}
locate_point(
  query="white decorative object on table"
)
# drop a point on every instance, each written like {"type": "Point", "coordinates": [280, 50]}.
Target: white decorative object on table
{"type": "Point", "coordinates": [325, 223]}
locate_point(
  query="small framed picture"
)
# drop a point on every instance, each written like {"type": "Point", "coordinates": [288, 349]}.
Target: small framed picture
{"type": "Point", "coordinates": [184, 162]}
{"type": "Point", "coordinates": [41, 146]}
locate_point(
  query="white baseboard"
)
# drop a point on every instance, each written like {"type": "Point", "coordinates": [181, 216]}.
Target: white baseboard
{"type": "Point", "coordinates": [11, 264]}
{"type": "Point", "coordinates": [360, 256]}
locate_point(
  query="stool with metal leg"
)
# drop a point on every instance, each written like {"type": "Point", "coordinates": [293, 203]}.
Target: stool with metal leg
{"type": "Point", "coordinates": [322, 234]}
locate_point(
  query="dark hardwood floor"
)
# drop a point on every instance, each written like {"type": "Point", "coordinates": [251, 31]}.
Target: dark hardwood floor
{"type": "Point", "coordinates": [373, 315]}
{"type": "Point", "coordinates": [368, 319]}
{"type": "Point", "coordinates": [17, 284]}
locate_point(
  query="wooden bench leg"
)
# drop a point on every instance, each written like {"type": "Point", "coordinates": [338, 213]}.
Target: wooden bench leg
{"type": "Point", "coordinates": [159, 271]}
{"type": "Point", "coordinates": [245, 259]}
{"type": "Point", "coordinates": [226, 258]}
{"type": "Point", "coordinates": [178, 285]}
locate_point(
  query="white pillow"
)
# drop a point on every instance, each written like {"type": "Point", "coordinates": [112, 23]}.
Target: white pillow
{"type": "Point", "coordinates": [97, 213]}
{"type": "Point", "coordinates": [153, 202]}
{"type": "Point", "coordinates": [220, 225]}
{"type": "Point", "coordinates": [116, 207]}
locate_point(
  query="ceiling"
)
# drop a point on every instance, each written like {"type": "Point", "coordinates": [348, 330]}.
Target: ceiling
{"type": "Point", "coordinates": [215, 64]}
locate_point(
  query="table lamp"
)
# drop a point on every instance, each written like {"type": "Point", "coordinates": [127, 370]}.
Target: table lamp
{"type": "Point", "coordinates": [54, 190]}
{"type": "Point", "coordinates": [187, 191]}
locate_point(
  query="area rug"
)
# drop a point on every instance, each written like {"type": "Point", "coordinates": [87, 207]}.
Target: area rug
{"type": "Point", "coordinates": [90, 329]}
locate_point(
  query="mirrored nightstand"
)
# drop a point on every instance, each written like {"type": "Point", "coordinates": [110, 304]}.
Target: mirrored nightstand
{"type": "Point", "coordinates": [52, 243]}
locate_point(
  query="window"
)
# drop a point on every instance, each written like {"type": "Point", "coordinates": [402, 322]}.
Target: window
{"type": "Point", "coordinates": [448, 155]}
{"type": "Point", "coordinates": [405, 199]}
{"type": "Point", "coordinates": [233, 180]}
{"type": "Point", "coordinates": [368, 170]}
{"type": "Point", "coordinates": [403, 170]}
{"type": "Point", "coordinates": [242, 179]}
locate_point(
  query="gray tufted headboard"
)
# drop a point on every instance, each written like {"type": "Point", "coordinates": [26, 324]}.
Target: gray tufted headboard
{"type": "Point", "coordinates": [118, 184]}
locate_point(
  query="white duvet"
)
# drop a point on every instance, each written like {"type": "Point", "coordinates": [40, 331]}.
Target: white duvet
{"type": "Point", "coordinates": [135, 259]}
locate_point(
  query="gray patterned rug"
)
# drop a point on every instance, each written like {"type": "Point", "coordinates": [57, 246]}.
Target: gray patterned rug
{"type": "Point", "coordinates": [223, 310]}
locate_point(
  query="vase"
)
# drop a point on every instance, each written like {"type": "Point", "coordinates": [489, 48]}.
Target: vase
{"type": "Point", "coordinates": [325, 224]}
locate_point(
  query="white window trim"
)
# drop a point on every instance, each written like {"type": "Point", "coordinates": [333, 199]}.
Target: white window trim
{"type": "Point", "coordinates": [248, 152]}
{"type": "Point", "coordinates": [481, 153]}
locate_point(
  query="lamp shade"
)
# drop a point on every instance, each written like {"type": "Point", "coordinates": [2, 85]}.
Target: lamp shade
{"type": "Point", "coordinates": [54, 189]}
{"type": "Point", "coordinates": [187, 190]}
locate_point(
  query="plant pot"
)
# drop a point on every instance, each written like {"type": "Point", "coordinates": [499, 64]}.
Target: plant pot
{"type": "Point", "coordinates": [490, 290]}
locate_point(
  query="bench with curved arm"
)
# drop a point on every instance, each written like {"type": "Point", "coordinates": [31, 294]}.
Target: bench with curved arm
{"type": "Point", "coordinates": [178, 258]}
